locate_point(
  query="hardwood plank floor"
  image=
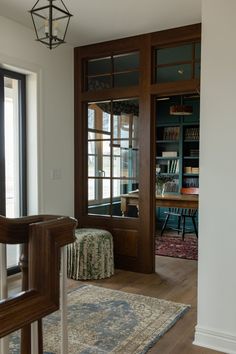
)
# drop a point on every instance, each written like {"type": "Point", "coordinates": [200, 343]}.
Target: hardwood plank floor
{"type": "Point", "coordinates": [175, 280]}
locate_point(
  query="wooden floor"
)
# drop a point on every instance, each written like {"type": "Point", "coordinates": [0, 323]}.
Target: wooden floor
{"type": "Point", "coordinates": [175, 280]}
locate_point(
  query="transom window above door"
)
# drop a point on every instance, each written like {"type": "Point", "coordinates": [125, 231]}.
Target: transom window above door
{"type": "Point", "coordinates": [177, 63]}
{"type": "Point", "coordinates": [113, 71]}
{"type": "Point", "coordinates": [113, 155]}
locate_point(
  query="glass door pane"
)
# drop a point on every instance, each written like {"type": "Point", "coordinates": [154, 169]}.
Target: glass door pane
{"type": "Point", "coordinates": [125, 157]}
{"type": "Point", "coordinates": [113, 155]}
{"type": "Point", "coordinates": [99, 158]}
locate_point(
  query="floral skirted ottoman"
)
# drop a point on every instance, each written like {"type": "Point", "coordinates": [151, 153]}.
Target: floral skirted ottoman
{"type": "Point", "coordinates": [91, 255]}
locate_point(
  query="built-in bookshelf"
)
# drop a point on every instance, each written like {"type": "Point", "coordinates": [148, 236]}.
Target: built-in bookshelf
{"type": "Point", "coordinates": [177, 142]}
{"type": "Point", "coordinates": [191, 156]}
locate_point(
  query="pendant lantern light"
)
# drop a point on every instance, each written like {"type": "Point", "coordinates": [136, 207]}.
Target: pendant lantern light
{"type": "Point", "coordinates": [51, 19]}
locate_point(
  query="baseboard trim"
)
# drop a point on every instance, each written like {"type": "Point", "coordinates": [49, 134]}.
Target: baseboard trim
{"type": "Point", "coordinates": [222, 342]}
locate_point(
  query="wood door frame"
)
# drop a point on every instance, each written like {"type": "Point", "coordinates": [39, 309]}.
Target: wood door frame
{"type": "Point", "coordinates": [2, 150]}
{"type": "Point", "coordinates": [143, 259]}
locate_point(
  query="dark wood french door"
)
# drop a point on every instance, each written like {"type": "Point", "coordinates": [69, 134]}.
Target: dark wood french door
{"type": "Point", "coordinates": [113, 148]}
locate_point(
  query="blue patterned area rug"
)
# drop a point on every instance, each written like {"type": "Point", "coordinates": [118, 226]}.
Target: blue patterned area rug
{"type": "Point", "coordinates": [106, 321]}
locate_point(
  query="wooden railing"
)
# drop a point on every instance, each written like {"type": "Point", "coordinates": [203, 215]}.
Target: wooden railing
{"type": "Point", "coordinates": [42, 237]}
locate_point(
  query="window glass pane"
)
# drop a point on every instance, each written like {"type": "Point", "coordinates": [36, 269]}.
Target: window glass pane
{"type": "Point", "coordinates": [99, 66]}
{"type": "Point", "coordinates": [99, 159]}
{"type": "Point", "coordinates": [106, 121]}
{"type": "Point", "coordinates": [121, 126]}
{"type": "Point", "coordinates": [102, 71]}
{"type": "Point", "coordinates": [125, 162]}
{"type": "Point", "coordinates": [12, 173]}
{"type": "Point", "coordinates": [13, 255]}
{"type": "Point", "coordinates": [174, 73]}
{"type": "Point", "coordinates": [99, 196]}
{"type": "Point", "coordinates": [101, 119]}
{"type": "Point", "coordinates": [125, 154]}
{"type": "Point", "coordinates": [124, 143]}
{"type": "Point", "coordinates": [173, 55]}
{"type": "Point", "coordinates": [106, 166]}
{"type": "Point", "coordinates": [92, 166]}
{"type": "Point", "coordinates": [91, 118]}
{"type": "Point", "coordinates": [99, 143]}
{"type": "Point", "coordinates": [106, 192]}
{"type": "Point", "coordinates": [106, 150]}
{"type": "Point", "coordinates": [122, 186]}
{"type": "Point", "coordinates": [126, 79]}
{"type": "Point", "coordinates": [91, 147]}
{"type": "Point", "coordinates": [91, 135]}
{"type": "Point", "coordinates": [91, 189]}
{"type": "Point", "coordinates": [98, 136]}
{"type": "Point", "coordinates": [126, 62]}
{"type": "Point", "coordinates": [13, 156]}
{"type": "Point", "coordinates": [99, 83]}
{"type": "Point", "coordinates": [116, 166]}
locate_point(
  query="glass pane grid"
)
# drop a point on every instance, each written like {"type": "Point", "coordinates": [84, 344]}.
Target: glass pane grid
{"type": "Point", "coordinates": [176, 63]}
{"type": "Point", "coordinates": [118, 71]}
{"type": "Point", "coordinates": [114, 158]}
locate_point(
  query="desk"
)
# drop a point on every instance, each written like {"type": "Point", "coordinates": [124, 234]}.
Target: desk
{"type": "Point", "coordinates": [166, 201]}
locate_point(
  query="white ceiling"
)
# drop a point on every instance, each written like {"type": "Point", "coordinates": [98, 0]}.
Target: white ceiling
{"type": "Point", "coordinates": [100, 20]}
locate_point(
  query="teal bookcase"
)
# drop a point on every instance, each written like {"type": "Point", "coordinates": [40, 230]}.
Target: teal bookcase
{"type": "Point", "coordinates": [177, 146]}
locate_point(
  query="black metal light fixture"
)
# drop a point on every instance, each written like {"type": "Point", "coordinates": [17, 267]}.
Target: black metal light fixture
{"type": "Point", "coordinates": [51, 19]}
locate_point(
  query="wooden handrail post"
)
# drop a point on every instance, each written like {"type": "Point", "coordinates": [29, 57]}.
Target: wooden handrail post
{"type": "Point", "coordinates": [63, 301]}
{"type": "Point", "coordinates": [4, 342]}
{"type": "Point", "coordinates": [42, 238]}
{"type": "Point", "coordinates": [40, 336]}
{"type": "Point", "coordinates": [35, 343]}
{"type": "Point", "coordinates": [25, 331]}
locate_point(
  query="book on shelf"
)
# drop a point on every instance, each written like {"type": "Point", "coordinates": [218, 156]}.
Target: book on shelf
{"type": "Point", "coordinates": [169, 153]}
{"type": "Point", "coordinates": [168, 166]}
{"type": "Point", "coordinates": [171, 133]}
{"type": "Point", "coordinates": [190, 182]}
{"type": "Point", "coordinates": [173, 166]}
{"type": "Point", "coordinates": [189, 169]}
{"type": "Point", "coordinates": [194, 152]}
{"type": "Point", "coordinates": [191, 133]}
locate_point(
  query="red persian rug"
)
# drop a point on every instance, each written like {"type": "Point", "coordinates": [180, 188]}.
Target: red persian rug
{"type": "Point", "coordinates": [174, 246]}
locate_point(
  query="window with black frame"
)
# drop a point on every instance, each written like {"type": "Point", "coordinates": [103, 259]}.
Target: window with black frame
{"type": "Point", "coordinates": [12, 154]}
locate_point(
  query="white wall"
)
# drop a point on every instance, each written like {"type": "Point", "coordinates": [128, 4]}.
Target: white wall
{"type": "Point", "coordinates": [216, 326]}
{"type": "Point", "coordinates": [51, 112]}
